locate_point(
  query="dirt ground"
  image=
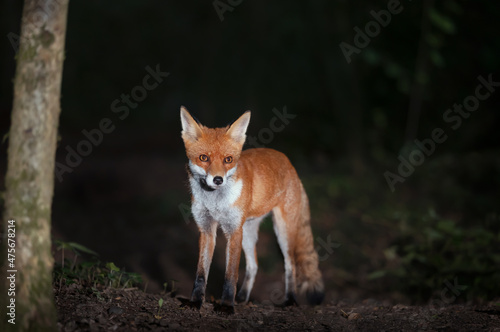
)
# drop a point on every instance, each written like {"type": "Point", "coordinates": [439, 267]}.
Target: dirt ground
{"type": "Point", "coordinates": [98, 309]}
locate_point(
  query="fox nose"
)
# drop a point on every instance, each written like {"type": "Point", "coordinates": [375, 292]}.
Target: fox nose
{"type": "Point", "coordinates": [218, 180]}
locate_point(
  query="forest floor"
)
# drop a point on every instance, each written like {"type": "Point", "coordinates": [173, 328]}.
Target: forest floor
{"type": "Point", "coordinates": [110, 309]}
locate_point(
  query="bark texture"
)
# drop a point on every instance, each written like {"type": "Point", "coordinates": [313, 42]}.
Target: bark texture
{"type": "Point", "coordinates": [31, 158]}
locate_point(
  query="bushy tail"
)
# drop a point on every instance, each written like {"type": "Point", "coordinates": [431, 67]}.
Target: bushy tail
{"type": "Point", "coordinates": [309, 279]}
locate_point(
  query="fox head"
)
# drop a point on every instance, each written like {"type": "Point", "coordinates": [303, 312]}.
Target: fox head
{"type": "Point", "coordinates": [213, 152]}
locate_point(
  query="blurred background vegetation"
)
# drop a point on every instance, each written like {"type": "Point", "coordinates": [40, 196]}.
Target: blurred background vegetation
{"type": "Point", "coordinates": [127, 199]}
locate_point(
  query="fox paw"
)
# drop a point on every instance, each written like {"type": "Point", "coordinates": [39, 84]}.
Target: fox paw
{"type": "Point", "coordinates": [241, 297]}
{"type": "Point", "coordinates": [291, 300]}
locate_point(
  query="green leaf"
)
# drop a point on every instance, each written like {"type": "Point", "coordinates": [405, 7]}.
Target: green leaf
{"type": "Point", "coordinates": [160, 302]}
{"type": "Point", "coordinates": [391, 253]}
{"type": "Point", "coordinates": [81, 248]}
{"type": "Point", "coordinates": [377, 274]}
{"type": "Point", "coordinates": [433, 234]}
{"type": "Point", "coordinates": [112, 267]}
{"type": "Point", "coordinates": [87, 265]}
{"type": "Point", "coordinates": [62, 245]}
{"type": "Point", "coordinates": [442, 22]}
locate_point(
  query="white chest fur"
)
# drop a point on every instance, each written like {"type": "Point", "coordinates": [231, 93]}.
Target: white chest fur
{"type": "Point", "coordinates": [217, 205]}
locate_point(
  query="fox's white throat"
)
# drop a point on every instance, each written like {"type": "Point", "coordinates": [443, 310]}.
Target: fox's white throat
{"type": "Point", "coordinates": [217, 204]}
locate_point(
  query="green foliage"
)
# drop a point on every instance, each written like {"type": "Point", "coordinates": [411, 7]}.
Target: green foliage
{"type": "Point", "coordinates": [442, 224]}
{"type": "Point", "coordinates": [92, 272]}
{"type": "Point", "coordinates": [433, 250]}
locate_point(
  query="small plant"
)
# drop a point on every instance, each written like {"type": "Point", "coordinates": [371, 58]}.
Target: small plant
{"type": "Point", "coordinates": [77, 250]}
{"type": "Point", "coordinates": [70, 273]}
{"type": "Point", "coordinates": [173, 290]}
{"type": "Point", "coordinates": [91, 272]}
{"type": "Point", "coordinates": [160, 304]}
{"type": "Point", "coordinates": [117, 278]}
{"type": "Point", "coordinates": [97, 293]}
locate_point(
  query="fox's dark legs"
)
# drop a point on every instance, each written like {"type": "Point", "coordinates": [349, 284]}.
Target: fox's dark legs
{"type": "Point", "coordinates": [207, 245]}
{"type": "Point", "coordinates": [233, 254]}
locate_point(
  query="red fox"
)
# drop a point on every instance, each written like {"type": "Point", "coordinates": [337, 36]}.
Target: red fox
{"type": "Point", "coordinates": [235, 190]}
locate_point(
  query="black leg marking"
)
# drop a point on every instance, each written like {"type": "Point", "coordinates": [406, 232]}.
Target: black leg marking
{"type": "Point", "coordinates": [315, 297]}
{"type": "Point", "coordinates": [290, 300]}
{"type": "Point", "coordinates": [228, 293]}
{"type": "Point", "coordinates": [198, 295]}
{"type": "Point", "coordinates": [226, 305]}
{"type": "Point", "coordinates": [242, 295]}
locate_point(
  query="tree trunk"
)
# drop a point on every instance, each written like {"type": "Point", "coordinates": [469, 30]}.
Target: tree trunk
{"type": "Point", "coordinates": [30, 169]}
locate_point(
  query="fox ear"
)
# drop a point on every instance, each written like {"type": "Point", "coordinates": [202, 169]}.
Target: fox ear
{"type": "Point", "coordinates": [191, 130]}
{"type": "Point", "coordinates": [239, 127]}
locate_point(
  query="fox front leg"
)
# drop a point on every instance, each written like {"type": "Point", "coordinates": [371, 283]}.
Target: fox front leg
{"type": "Point", "coordinates": [233, 254]}
{"type": "Point", "coordinates": [207, 245]}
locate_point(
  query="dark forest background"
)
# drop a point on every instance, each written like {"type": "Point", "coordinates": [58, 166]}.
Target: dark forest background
{"type": "Point", "coordinates": [355, 120]}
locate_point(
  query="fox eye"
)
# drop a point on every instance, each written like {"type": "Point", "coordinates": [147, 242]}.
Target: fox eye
{"type": "Point", "coordinates": [228, 160]}
{"type": "Point", "coordinates": [204, 158]}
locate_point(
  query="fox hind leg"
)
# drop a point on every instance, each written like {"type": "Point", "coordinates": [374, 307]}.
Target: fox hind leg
{"type": "Point", "coordinates": [286, 241]}
{"type": "Point", "coordinates": [250, 237]}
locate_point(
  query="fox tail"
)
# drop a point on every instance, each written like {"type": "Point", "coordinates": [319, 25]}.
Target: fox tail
{"type": "Point", "coordinates": [309, 278]}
